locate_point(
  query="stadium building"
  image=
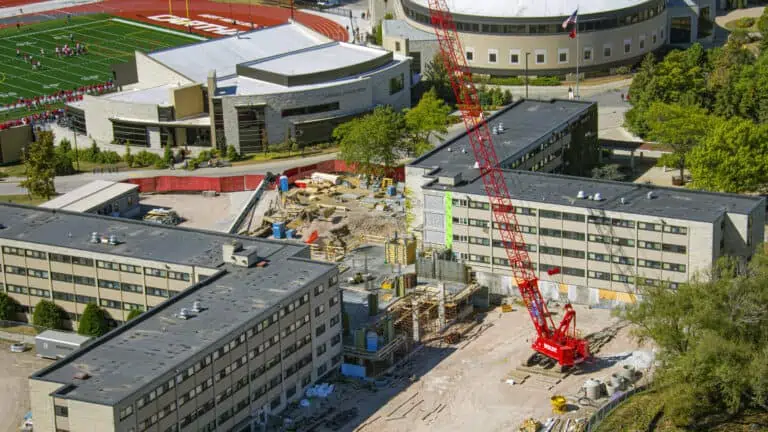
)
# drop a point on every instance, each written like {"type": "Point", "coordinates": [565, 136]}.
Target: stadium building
{"type": "Point", "coordinates": [607, 238]}
{"type": "Point", "coordinates": [502, 38]}
{"type": "Point", "coordinates": [249, 90]}
{"type": "Point", "coordinates": [250, 323]}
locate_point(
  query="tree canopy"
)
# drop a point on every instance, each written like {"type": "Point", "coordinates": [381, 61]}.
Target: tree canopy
{"type": "Point", "coordinates": [712, 335]}
{"type": "Point", "coordinates": [93, 322]}
{"type": "Point", "coordinates": [133, 314]}
{"type": "Point", "coordinates": [40, 160]}
{"type": "Point", "coordinates": [371, 140]}
{"type": "Point", "coordinates": [49, 315]}
{"type": "Point", "coordinates": [7, 307]}
{"type": "Point", "coordinates": [429, 117]}
{"type": "Point", "coordinates": [682, 101]}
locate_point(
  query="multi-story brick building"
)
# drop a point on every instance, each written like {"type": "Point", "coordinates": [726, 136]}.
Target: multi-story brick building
{"type": "Point", "coordinates": [248, 326]}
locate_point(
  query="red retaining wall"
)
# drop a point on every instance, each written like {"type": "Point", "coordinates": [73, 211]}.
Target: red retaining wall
{"type": "Point", "coordinates": [197, 184]}
{"type": "Point", "coordinates": [338, 166]}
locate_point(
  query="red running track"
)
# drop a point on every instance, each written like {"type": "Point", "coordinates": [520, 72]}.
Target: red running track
{"type": "Point", "coordinates": [261, 15]}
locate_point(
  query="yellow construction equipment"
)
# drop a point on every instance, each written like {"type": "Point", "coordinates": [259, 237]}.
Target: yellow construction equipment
{"type": "Point", "coordinates": [506, 308]}
{"type": "Point", "coordinates": [386, 182]}
{"type": "Point", "coordinates": [559, 404]}
{"type": "Point", "coordinates": [529, 425]}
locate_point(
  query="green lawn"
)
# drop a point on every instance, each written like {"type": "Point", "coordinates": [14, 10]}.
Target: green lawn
{"type": "Point", "coordinates": [109, 40]}
{"type": "Point", "coordinates": [22, 199]}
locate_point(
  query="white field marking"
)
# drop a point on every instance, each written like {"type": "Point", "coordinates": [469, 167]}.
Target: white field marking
{"type": "Point", "coordinates": [58, 29]}
{"type": "Point", "coordinates": [160, 29]}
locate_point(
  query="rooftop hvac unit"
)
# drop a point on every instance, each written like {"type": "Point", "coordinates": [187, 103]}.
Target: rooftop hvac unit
{"type": "Point", "coordinates": [95, 237]}
{"type": "Point", "coordinates": [184, 313]}
{"type": "Point", "coordinates": [476, 165]}
{"type": "Point", "coordinates": [495, 130]}
{"type": "Point", "coordinates": [197, 307]}
{"type": "Point", "coordinates": [598, 197]}
{"type": "Point", "coordinates": [581, 195]}
{"type": "Point", "coordinates": [113, 239]}
{"type": "Point", "coordinates": [501, 127]}
{"type": "Point", "coordinates": [650, 195]}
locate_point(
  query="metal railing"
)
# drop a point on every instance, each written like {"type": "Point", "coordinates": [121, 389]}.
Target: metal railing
{"type": "Point", "coordinates": [594, 421]}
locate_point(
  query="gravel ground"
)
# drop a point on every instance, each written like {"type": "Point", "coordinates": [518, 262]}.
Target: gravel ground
{"type": "Point", "coordinates": [14, 389]}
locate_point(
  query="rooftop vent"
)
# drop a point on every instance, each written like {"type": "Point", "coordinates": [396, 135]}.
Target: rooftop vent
{"type": "Point", "coordinates": [113, 239]}
{"type": "Point", "coordinates": [650, 195]}
{"type": "Point", "coordinates": [501, 127]}
{"type": "Point", "coordinates": [623, 200]}
{"type": "Point", "coordinates": [82, 376]}
{"type": "Point", "coordinates": [495, 130]}
{"type": "Point", "coordinates": [95, 238]}
{"type": "Point", "coordinates": [197, 307]}
{"type": "Point", "coordinates": [581, 195]}
{"type": "Point", "coordinates": [463, 150]}
{"type": "Point", "coordinates": [450, 149]}
{"type": "Point", "coordinates": [476, 165]}
{"type": "Point", "coordinates": [184, 314]}
{"type": "Point", "coordinates": [597, 197]}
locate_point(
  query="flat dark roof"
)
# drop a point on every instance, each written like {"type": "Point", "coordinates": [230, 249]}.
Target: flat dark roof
{"type": "Point", "coordinates": [141, 351]}
{"type": "Point", "coordinates": [677, 203]}
{"type": "Point", "coordinates": [526, 124]}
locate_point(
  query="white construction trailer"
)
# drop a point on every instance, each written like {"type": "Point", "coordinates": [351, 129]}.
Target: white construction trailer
{"type": "Point", "coordinates": [54, 344]}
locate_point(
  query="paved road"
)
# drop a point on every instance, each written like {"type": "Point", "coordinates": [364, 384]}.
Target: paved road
{"type": "Point", "coordinates": [67, 183]}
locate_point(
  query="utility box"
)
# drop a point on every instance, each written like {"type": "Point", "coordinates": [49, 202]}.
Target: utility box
{"type": "Point", "coordinates": [52, 344]}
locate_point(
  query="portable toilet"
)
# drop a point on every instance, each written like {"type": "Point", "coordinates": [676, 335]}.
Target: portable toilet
{"type": "Point", "coordinates": [371, 341]}
{"type": "Point", "coordinates": [278, 229]}
{"type": "Point", "coordinates": [291, 233]}
{"type": "Point", "coordinates": [283, 183]}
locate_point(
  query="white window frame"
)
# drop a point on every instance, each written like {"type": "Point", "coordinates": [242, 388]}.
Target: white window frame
{"type": "Point", "coordinates": [468, 50]}
{"type": "Point", "coordinates": [641, 42]}
{"type": "Point", "coordinates": [624, 47]}
{"type": "Point", "coordinates": [496, 53]}
{"type": "Point", "coordinates": [567, 55]}
{"type": "Point", "coordinates": [610, 48]}
{"type": "Point", "coordinates": [591, 54]}
{"type": "Point", "coordinates": [536, 56]}
{"type": "Point", "coordinates": [519, 56]}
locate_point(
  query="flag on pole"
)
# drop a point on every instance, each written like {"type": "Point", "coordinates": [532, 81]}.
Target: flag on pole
{"type": "Point", "coordinates": [571, 20]}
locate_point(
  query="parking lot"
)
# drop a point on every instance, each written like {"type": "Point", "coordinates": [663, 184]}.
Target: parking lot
{"type": "Point", "coordinates": [14, 389]}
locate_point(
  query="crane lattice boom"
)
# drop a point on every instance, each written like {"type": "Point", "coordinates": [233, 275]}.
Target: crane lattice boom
{"type": "Point", "coordinates": [559, 343]}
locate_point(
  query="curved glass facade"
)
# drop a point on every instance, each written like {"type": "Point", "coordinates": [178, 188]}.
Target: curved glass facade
{"type": "Point", "coordinates": [539, 26]}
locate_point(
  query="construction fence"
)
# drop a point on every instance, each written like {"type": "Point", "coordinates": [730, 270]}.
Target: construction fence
{"type": "Point", "coordinates": [161, 184]}
{"type": "Point", "coordinates": [339, 166]}
{"type": "Point", "coordinates": [594, 421]}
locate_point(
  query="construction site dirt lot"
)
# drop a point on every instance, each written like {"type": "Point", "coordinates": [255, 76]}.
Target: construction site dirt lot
{"type": "Point", "coordinates": [14, 387]}
{"type": "Point", "coordinates": [197, 211]}
{"type": "Point", "coordinates": [463, 387]}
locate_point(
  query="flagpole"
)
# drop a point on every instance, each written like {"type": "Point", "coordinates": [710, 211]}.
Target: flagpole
{"type": "Point", "coordinates": [578, 54]}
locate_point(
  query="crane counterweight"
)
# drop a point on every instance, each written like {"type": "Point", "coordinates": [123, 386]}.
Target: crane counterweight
{"type": "Point", "coordinates": [560, 343]}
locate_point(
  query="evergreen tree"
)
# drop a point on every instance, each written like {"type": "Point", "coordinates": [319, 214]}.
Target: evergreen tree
{"type": "Point", "coordinates": [93, 322]}
{"type": "Point", "coordinates": [49, 315]}
{"type": "Point", "coordinates": [7, 307]}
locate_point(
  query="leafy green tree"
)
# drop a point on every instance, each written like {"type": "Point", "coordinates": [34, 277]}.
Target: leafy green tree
{"type": "Point", "coordinates": [93, 322]}
{"type": "Point", "coordinates": [679, 127]}
{"type": "Point", "coordinates": [64, 146]}
{"type": "Point", "coordinates": [133, 314]}
{"type": "Point", "coordinates": [436, 77]}
{"type": "Point", "coordinates": [733, 158]}
{"type": "Point", "coordinates": [372, 140]}
{"type": "Point", "coordinates": [41, 161]}
{"type": "Point", "coordinates": [49, 315]}
{"type": "Point", "coordinates": [428, 118]}
{"type": "Point", "coordinates": [712, 337]}
{"type": "Point", "coordinates": [8, 307]}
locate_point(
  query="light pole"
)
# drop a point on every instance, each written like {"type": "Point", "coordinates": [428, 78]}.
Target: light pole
{"type": "Point", "coordinates": [526, 74]}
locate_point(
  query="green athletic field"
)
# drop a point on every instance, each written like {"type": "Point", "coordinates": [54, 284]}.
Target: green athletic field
{"type": "Point", "coordinates": [109, 40]}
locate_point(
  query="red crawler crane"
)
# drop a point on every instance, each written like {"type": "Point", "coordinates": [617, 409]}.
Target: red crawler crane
{"type": "Point", "coordinates": [558, 343]}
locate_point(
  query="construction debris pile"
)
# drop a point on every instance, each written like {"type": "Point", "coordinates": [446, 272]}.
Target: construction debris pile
{"type": "Point", "coordinates": [335, 213]}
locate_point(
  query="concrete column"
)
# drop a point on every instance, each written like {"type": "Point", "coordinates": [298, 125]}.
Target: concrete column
{"type": "Point", "coordinates": [211, 93]}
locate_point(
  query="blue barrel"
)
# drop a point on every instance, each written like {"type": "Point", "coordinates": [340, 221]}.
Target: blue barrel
{"type": "Point", "coordinates": [291, 233]}
{"type": "Point", "coordinates": [391, 191]}
{"type": "Point", "coordinates": [278, 229]}
{"type": "Point", "coordinates": [284, 183]}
